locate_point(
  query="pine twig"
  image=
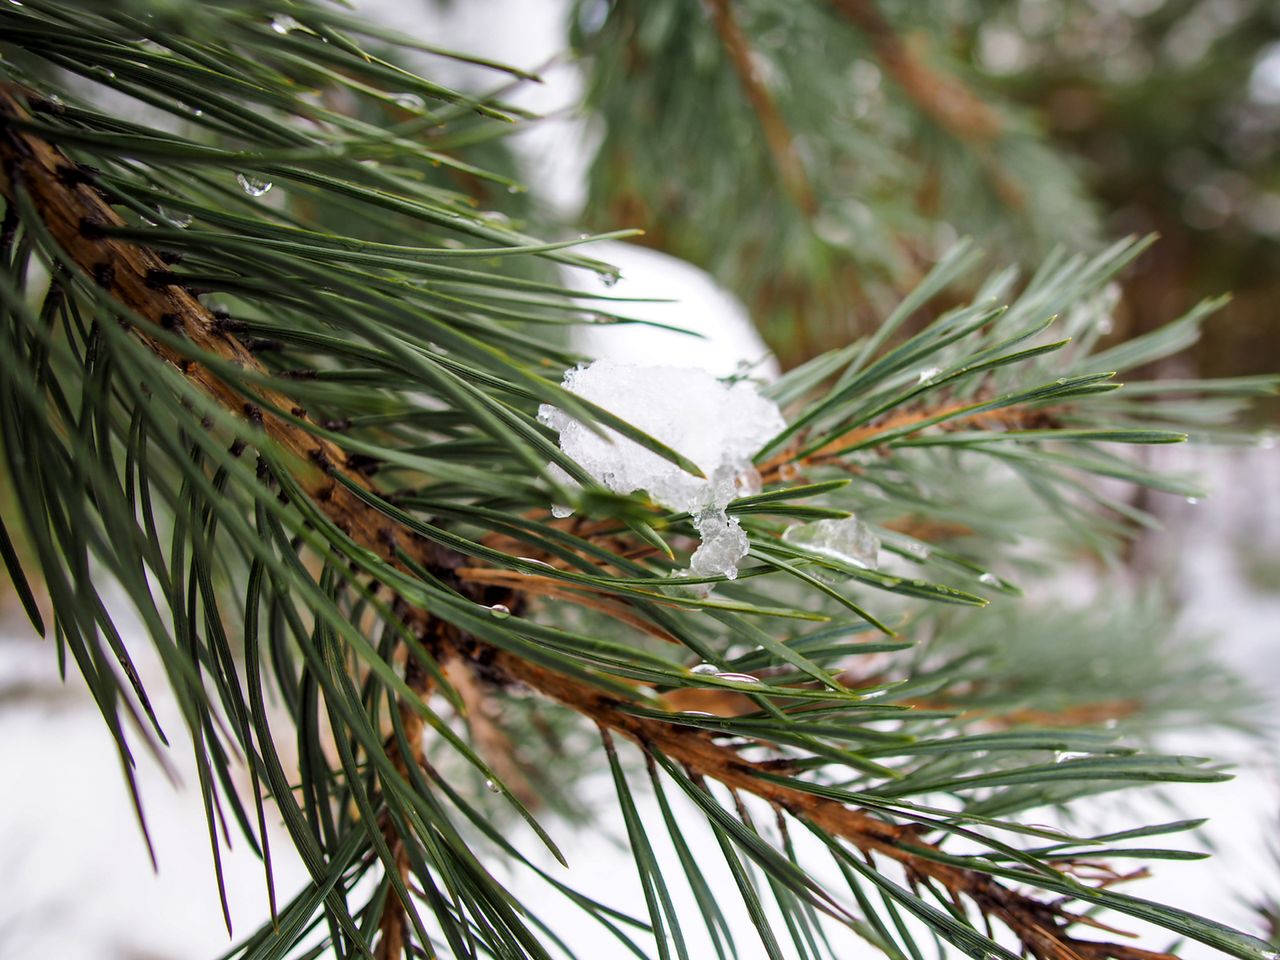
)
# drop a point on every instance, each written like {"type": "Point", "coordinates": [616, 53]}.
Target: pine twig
{"type": "Point", "coordinates": [952, 105]}
{"type": "Point", "coordinates": [1018, 417]}
{"type": "Point", "coordinates": [393, 925]}
{"type": "Point", "coordinates": [776, 133]}
{"type": "Point", "coordinates": [490, 739]}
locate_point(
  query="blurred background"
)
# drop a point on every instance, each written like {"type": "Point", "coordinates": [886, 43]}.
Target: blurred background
{"type": "Point", "coordinates": [804, 164]}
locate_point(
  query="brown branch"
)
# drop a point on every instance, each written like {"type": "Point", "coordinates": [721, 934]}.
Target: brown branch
{"type": "Point", "coordinates": [729, 703]}
{"type": "Point", "coordinates": [776, 133]}
{"type": "Point", "coordinates": [945, 99]}
{"type": "Point", "coordinates": [952, 105]}
{"type": "Point", "coordinates": [583, 595]}
{"type": "Point", "coordinates": [1040, 926]}
{"type": "Point", "coordinates": [79, 220]}
{"type": "Point", "coordinates": [864, 436]}
{"type": "Point", "coordinates": [391, 940]}
{"type": "Point", "coordinates": [491, 741]}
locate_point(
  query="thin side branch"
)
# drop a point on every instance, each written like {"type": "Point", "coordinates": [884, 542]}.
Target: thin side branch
{"type": "Point", "coordinates": [951, 104]}
{"type": "Point", "coordinates": [394, 925]}
{"type": "Point", "coordinates": [1020, 417]}
{"type": "Point", "coordinates": [776, 132]}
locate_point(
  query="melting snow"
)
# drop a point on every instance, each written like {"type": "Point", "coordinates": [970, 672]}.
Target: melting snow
{"type": "Point", "coordinates": [716, 425]}
{"type": "Point", "coordinates": [849, 540]}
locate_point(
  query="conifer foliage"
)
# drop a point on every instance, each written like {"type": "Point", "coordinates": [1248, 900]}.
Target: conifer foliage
{"type": "Point", "coordinates": [271, 363]}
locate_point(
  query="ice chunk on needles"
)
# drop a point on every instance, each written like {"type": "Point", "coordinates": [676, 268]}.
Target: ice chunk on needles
{"type": "Point", "coordinates": [848, 540]}
{"type": "Point", "coordinates": [716, 425]}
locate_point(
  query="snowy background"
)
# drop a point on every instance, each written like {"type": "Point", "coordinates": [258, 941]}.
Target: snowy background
{"type": "Point", "coordinates": [75, 878]}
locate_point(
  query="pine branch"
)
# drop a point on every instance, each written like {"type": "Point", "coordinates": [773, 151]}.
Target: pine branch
{"type": "Point", "coordinates": [79, 219]}
{"type": "Point", "coordinates": [81, 222]}
{"type": "Point", "coordinates": [429, 369]}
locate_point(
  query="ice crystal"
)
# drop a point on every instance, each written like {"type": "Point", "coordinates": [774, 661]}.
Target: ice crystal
{"type": "Point", "coordinates": [848, 540]}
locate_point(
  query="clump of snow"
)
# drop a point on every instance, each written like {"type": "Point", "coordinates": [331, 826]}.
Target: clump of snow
{"type": "Point", "coordinates": [716, 425]}
{"type": "Point", "coordinates": [665, 290]}
{"type": "Point", "coordinates": [723, 543]}
{"type": "Point", "coordinates": [848, 540]}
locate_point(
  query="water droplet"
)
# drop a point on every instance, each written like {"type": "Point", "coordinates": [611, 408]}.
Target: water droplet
{"type": "Point", "coordinates": [1193, 500]}
{"type": "Point", "coordinates": [927, 374]}
{"type": "Point", "coordinates": [788, 472]}
{"type": "Point", "coordinates": [253, 186]}
{"type": "Point", "coordinates": [534, 560]}
{"type": "Point", "coordinates": [517, 188]}
{"type": "Point", "coordinates": [176, 218]}
{"type": "Point", "coordinates": [1112, 723]}
{"type": "Point", "coordinates": [282, 24]}
{"type": "Point", "coordinates": [747, 483]}
{"type": "Point", "coordinates": [738, 677]}
{"type": "Point", "coordinates": [409, 101]}
{"type": "Point", "coordinates": [704, 669]}
{"type": "Point", "coordinates": [1062, 756]}
{"type": "Point", "coordinates": [848, 540]}
{"type": "Point", "coordinates": [197, 112]}
{"type": "Point", "coordinates": [105, 73]}
{"type": "Point", "coordinates": [492, 787]}
{"type": "Point", "coordinates": [560, 511]}
{"type": "Point", "coordinates": [500, 611]}
{"type": "Point", "coordinates": [920, 551]}
{"type": "Point", "coordinates": [609, 279]}
{"type": "Point", "coordinates": [1267, 441]}
{"type": "Point", "coordinates": [592, 16]}
{"type": "Point", "coordinates": [696, 713]}
{"type": "Point", "coordinates": [990, 579]}
{"type": "Point", "coordinates": [1046, 828]}
{"type": "Point", "coordinates": [832, 225]}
